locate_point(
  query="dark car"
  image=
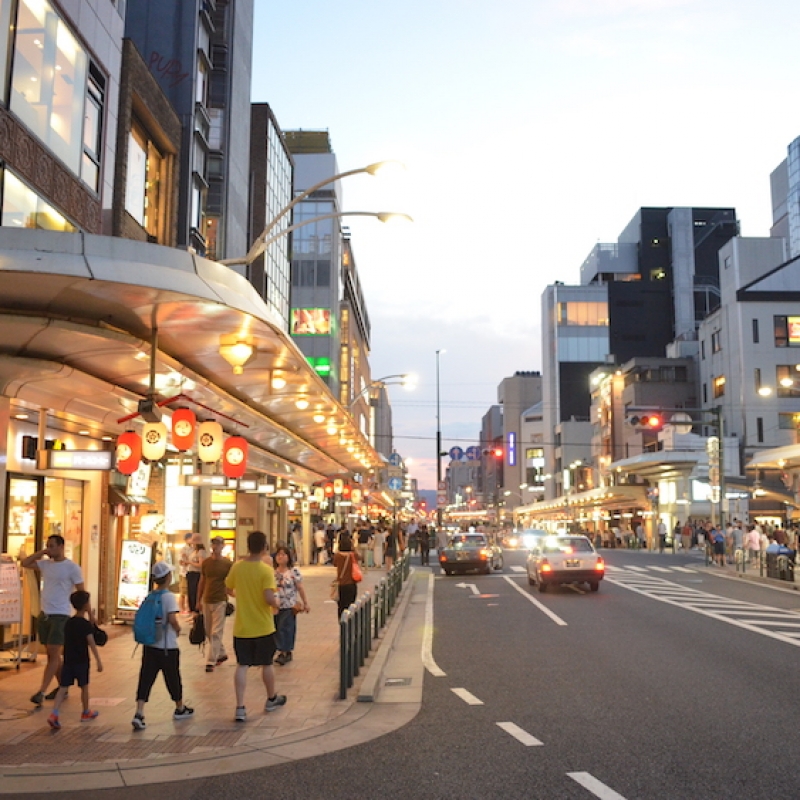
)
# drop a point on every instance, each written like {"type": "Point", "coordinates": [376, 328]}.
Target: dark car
{"type": "Point", "coordinates": [470, 551]}
{"type": "Point", "coordinates": [565, 559]}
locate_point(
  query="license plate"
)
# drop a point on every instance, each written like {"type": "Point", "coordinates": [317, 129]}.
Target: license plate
{"type": "Point", "coordinates": [572, 562]}
{"type": "Point", "coordinates": [463, 556]}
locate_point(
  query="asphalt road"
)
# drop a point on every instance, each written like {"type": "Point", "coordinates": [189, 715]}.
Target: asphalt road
{"type": "Point", "coordinates": [667, 683]}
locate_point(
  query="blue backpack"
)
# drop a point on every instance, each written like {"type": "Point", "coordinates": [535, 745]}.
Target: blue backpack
{"type": "Point", "coordinates": [145, 622]}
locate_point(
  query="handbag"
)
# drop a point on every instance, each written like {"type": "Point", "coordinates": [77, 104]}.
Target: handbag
{"type": "Point", "coordinates": [355, 570]}
{"type": "Point", "coordinates": [229, 608]}
{"type": "Point", "coordinates": [100, 636]}
{"type": "Point", "coordinates": [197, 635]}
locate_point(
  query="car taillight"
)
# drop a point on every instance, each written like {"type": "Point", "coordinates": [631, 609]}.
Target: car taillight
{"type": "Point", "coordinates": [545, 566]}
{"type": "Point", "coordinates": [600, 566]}
{"type": "Point", "coordinates": [442, 557]}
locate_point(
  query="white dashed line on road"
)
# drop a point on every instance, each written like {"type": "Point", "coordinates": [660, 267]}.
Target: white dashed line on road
{"type": "Point", "coordinates": [659, 569]}
{"type": "Point", "coordinates": [540, 606]}
{"type": "Point", "coordinates": [427, 636]}
{"type": "Point", "coordinates": [467, 697]}
{"type": "Point", "coordinates": [517, 568]}
{"type": "Point", "coordinates": [519, 734]}
{"type": "Point", "coordinates": [597, 788]}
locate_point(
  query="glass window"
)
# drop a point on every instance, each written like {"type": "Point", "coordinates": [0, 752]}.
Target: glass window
{"type": "Point", "coordinates": [787, 331]}
{"type": "Point", "coordinates": [760, 429]}
{"type": "Point", "coordinates": [787, 377]}
{"type": "Point", "coordinates": [201, 89]}
{"type": "Point", "coordinates": [588, 313]}
{"type": "Point", "coordinates": [789, 422]}
{"type": "Point", "coordinates": [49, 80]}
{"type": "Point", "coordinates": [719, 386]}
{"type": "Point", "coordinates": [23, 208]}
{"type": "Point", "coordinates": [716, 342]}
{"type": "Point", "coordinates": [323, 273]}
{"type": "Point", "coordinates": [755, 331]}
{"type": "Point", "coordinates": [23, 509]}
{"type": "Point", "coordinates": [144, 180]}
{"type": "Point", "coordinates": [5, 35]}
{"type": "Point", "coordinates": [93, 129]}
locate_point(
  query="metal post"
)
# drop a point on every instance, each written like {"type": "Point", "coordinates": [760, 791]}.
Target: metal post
{"type": "Point", "coordinates": [343, 660]}
{"type": "Point", "coordinates": [438, 447]}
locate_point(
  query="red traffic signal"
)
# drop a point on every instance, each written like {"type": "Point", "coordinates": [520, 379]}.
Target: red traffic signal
{"type": "Point", "coordinates": [497, 452]}
{"type": "Point", "coordinates": [648, 421]}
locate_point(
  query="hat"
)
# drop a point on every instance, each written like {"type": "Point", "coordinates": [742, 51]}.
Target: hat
{"type": "Point", "coordinates": [188, 536]}
{"type": "Point", "coordinates": [218, 539]}
{"type": "Point", "coordinates": [160, 570]}
{"type": "Point", "coordinates": [197, 538]}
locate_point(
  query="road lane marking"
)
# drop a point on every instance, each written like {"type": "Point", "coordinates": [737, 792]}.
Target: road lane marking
{"type": "Point", "coordinates": [659, 569]}
{"type": "Point", "coordinates": [685, 569]}
{"type": "Point", "coordinates": [636, 569]}
{"type": "Point", "coordinates": [427, 635]}
{"type": "Point", "coordinates": [467, 697]}
{"type": "Point", "coordinates": [520, 735]}
{"type": "Point", "coordinates": [543, 608]}
{"type": "Point", "coordinates": [597, 788]}
{"type": "Point", "coordinates": [517, 568]}
{"type": "Point", "coordinates": [470, 586]}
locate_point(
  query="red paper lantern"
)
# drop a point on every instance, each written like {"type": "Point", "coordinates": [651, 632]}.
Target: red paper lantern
{"type": "Point", "coordinates": [234, 457]}
{"type": "Point", "coordinates": [184, 427]}
{"type": "Point", "coordinates": [129, 452]}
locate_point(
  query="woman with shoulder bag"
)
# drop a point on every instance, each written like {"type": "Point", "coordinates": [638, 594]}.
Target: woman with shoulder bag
{"type": "Point", "coordinates": [292, 600]}
{"type": "Point", "coordinates": [343, 561]}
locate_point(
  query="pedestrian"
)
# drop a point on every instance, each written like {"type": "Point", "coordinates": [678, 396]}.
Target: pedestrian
{"type": "Point", "coordinates": [196, 558]}
{"type": "Point", "coordinates": [78, 640]}
{"type": "Point", "coordinates": [364, 535]}
{"type": "Point", "coordinates": [214, 601]}
{"type": "Point", "coordinates": [662, 536]}
{"type": "Point", "coordinates": [738, 542]}
{"type": "Point", "coordinates": [183, 565]}
{"type": "Point", "coordinates": [343, 561]}
{"type": "Point", "coordinates": [640, 536]}
{"type": "Point", "coordinates": [441, 539]}
{"type": "Point", "coordinates": [60, 578]}
{"type": "Point", "coordinates": [391, 546]}
{"type": "Point", "coordinates": [753, 543]}
{"type": "Point", "coordinates": [717, 539]}
{"type": "Point", "coordinates": [686, 536]}
{"type": "Point", "coordinates": [163, 655]}
{"type": "Point", "coordinates": [330, 536]}
{"type": "Point", "coordinates": [424, 545]}
{"type": "Point", "coordinates": [253, 584]}
{"type": "Point", "coordinates": [319, 544]}
{"type": "Point", "coordinates": [378, 539]}
{"type": "Point", "coordinates": [292, 600]}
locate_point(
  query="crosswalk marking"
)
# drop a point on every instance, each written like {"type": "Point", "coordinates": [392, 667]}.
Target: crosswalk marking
{"type": "Point", "coordinates": [765, 620]}
{"type": "Point", "coordinates": [517, 568]}
{"type": "Point", "coordinates": [660, 569]}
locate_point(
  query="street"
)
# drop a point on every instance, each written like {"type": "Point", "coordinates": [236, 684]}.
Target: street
{"type": "Point", "coordinates": [671, 682]}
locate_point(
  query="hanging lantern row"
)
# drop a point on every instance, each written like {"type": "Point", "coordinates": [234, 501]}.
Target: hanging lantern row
{"type": "Point", "coordinates": [211, 444]}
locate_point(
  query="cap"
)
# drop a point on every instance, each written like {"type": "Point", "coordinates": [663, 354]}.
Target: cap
{"type": "Point", "coordinates": [188, 536]}
{"type": "Point", "coordinates": [197, 538]}
{"type": "Point", "coordinates": [160, 570]}
{"type": "Point", "coordinates": [218, 539]}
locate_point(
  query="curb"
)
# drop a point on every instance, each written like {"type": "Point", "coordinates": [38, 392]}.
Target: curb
{"type": "Point", "coordinates": [371, 685]}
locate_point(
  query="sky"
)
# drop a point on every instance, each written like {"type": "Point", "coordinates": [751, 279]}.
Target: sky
{"type": "Point", "coordinates": [531, 130]}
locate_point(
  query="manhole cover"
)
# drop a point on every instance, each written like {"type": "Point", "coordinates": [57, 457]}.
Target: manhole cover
{"type": "Point", "coordinates": [398, 682]}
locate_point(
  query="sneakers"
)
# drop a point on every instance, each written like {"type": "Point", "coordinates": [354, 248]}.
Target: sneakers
{"type": "Point", "coordinates": [38, 698]}
{"type": "Point", "coordinates": [283, 658]}
{"type": "Point", "coordinates": [209, 667]}
{"type": "Point", "coordinates": [183, 713]}
{"type": "Point", "coordinates": [287, 657]}
{"type": "Point", "coordinates": [54, 722]}
{"type": "Point", "coordinates": [138, 722]}
{"type": "Point", "coordinates": [88, 715]}
{"type": "Point", "coordinates": [241, 714]}
{"type": "Point", "coordinates": [222, 660]}
{"type": "Point", "coordinates": [52, 695]}
{"type": "Point", "coordinates": [274, 703]}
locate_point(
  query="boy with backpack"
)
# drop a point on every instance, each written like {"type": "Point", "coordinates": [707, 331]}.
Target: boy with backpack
{"type": "Point", "coordinates": [78, 640]}
{"type": "Point", "coordinates": [156, 627]}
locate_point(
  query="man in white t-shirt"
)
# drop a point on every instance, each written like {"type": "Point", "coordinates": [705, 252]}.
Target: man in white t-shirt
{"type": "Point", "coordinates": [183, 564]}
{"type": "Point", "coordinates": [61, 577]}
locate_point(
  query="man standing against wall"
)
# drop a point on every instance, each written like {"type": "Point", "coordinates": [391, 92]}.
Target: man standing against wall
{"type": "Point", "coordinates": [253, 584]}
{"type": "Point", "coordinates": [61, 577]}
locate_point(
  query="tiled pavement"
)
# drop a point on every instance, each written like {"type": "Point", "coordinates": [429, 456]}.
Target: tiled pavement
{"type": "Point", "coordinates": [107, 752]}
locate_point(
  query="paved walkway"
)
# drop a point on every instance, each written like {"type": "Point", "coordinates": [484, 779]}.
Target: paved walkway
{"type": "Point", "coordinates": [107, 752]}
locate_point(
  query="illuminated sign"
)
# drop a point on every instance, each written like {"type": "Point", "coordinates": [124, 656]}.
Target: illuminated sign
{"type": "Point", "coordinates": [511, 449]}
{"type": "Point", "coordinates": [321, 364]}
{"type": "Point", "coordinates": [205, 480]}
{"type": "Point", "coordinates": [793, 323]}
{"type": "Point", "coordinates": [311, 322]}
{"type": "Point", "coordinates": [75, 459]}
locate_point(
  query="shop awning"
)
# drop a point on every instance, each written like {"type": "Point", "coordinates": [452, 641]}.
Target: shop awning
{"type": "Point", "coordinates": [776, 458]}
{"type": "Point", "coordinates": [118, 498]}
{"type": "Point", "coordinates": [609, 498]}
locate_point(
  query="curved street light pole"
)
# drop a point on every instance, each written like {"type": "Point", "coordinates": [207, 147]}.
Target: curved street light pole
{"type": "Point", "coordinates": [438, 447]}
{"type": "Point", "coordinates": [404, 380]}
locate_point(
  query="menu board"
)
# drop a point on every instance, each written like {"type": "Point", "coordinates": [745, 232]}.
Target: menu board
{"type": "Point", "coordinates": [10, 593]}
{"type": "Point", "coordinates": [134, 577]}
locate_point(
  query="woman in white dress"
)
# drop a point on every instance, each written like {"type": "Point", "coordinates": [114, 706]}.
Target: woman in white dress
{"type": "Point", "coordinates": [377, 546]}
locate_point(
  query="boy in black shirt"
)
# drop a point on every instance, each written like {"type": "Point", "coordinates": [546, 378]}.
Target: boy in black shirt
{"type": "Point", "coordinates": [78, 639]}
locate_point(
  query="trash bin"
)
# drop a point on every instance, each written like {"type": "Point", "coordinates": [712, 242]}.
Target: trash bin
{"type": "Point", "coordinates": [772, 565]}
{"type": "Point", "coordinates": [785, 567]}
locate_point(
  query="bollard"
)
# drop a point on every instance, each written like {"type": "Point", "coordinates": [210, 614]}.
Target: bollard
{"type": "Point", "coordinates": [343, 663]}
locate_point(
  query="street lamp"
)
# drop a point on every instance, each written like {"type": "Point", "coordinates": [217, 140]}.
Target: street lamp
{"type": "Point", "coordinates": [406, 379]}
{"type": "Point", "coordinates": [264, 239]}
{"type": "Point", "coordinates": [438, 445]}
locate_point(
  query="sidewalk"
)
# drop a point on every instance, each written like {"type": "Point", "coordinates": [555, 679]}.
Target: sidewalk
{"type": "Point", "coordinates": [107, 753]}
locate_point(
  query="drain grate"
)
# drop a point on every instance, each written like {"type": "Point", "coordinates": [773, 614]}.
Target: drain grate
{"type": "Point", "coordinates": [397, 682]}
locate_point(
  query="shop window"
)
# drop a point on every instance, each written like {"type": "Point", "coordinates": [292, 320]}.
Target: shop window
{"type": "Point", "coordinates": [23, 208]}
{"type": "Point", "coordinates": [49, 80]}
{"type": "Point", "coordinates": [145, 181]}
{"type": "Point", "coordinates": [24, 510]}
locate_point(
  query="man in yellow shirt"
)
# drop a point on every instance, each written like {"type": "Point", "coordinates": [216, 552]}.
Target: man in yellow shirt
{"type": "Point", "coordinates": [253, 584]}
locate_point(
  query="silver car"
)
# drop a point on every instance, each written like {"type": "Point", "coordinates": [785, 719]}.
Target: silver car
{"type": "Point", "coordinates": [565, 559]}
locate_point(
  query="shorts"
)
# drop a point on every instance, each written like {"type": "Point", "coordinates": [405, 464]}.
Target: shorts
{"type": "Point", "coordinates": [50, 628]}
{"type": "Point", "coordinates": [255, 652]}
{"type": "Point", "coordinates": [74, 673]}
{"type": "Point", "coordinates": [719, 548]}
{"type": "Point", "coordinates": [183, 585]}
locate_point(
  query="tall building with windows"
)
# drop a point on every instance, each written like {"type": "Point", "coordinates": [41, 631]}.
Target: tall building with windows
{"type": "Point", "coordinates": [200, 52]}
{"type": "Point", "coordinates": [271, 177]}
{"type": "Point", "coordinates": [59, 96]}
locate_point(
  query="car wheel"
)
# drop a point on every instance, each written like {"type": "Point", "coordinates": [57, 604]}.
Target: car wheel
{"type": "Point", "coordinates": [542, 587]}
{"type": "Point", "coordinates": [594, 585]}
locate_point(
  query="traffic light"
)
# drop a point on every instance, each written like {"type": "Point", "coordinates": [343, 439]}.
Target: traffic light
{"type": "Point", "coordinates": [497, 452]}
{"type": "Point", "coordinates": [649, 421]}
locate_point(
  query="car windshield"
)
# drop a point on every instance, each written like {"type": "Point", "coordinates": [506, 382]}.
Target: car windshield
{"type": "Point", "coordinates": [468, 541]}
{"type": "Point", "coordinates": [567, 545]}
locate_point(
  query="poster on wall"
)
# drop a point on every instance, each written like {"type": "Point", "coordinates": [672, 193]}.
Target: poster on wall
{"type": "Point", "coordinates": [134, 577]}
{"type": "Point", "coordinates": [311, 322]}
